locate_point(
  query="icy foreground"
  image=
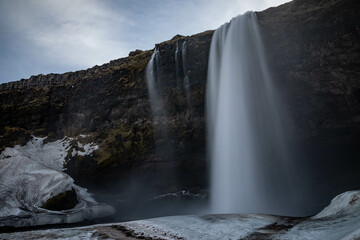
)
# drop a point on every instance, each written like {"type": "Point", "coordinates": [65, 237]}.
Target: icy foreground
{"type": "Point", "coordinates": [31, 174]}
{"type": "Point", "coordinates": [340, 220]}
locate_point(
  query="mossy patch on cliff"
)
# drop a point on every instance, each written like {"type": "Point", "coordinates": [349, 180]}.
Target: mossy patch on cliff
{"type": "Point", "coordinates": [125, 143]}
{"type": "Point", "coordinates": [11, 136]}
{"type": "Point", "coordinates": [120, 148]}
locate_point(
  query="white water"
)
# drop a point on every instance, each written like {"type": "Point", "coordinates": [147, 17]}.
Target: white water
{"type": "Point", "coordinates": [177, 60]}
{"type": "Point", "coordinates": [181, 65]}
{"type": "Point", "coordinates": [186, 77]}
{"type": "Point", "coordinates": [156, 102]}
{"type": "Point", "coordinates": [156, 84]}
{"type": "Point", "coordinates": [251, 167]}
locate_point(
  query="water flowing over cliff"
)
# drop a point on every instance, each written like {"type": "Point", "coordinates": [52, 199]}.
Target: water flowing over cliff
{"type": "Point", "coordinates": [251, 165]}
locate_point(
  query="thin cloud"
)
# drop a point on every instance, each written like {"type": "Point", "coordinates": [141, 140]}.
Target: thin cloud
{"type": "Point", "coordinates": [43, 36]}
{"type": "Point", "coordinates": [79, 33]}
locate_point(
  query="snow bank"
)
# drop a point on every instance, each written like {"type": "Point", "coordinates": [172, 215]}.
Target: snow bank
{"type": "Point", "coordinates": [51, 155]}
{"type": "Point", "coordinates": [339, 221]}
{"type": "Point", "coordinates": [347, 203]}
{"type": "Point", "coordinates": [195, 227]}
{"type": "Point", "coordinates": [30, 175]}
{"type": "Point", "coordinates": [58, 234]}
{"type": "Point", "coordinates": [87, 148]}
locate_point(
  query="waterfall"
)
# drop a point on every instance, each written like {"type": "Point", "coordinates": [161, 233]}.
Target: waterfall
{"type": "Point", "coordinates": [177, 69]}
{"type": "Point", "coordinates": [180, 65]}
{"type": "Point", "coordinates": [186, 77]}
{"type": "Point", "coordinates": [251, 168]}
{"type": "Point", "coordinates": [156, 85]}
{"type": "Point", "coordinates": [151, 82]}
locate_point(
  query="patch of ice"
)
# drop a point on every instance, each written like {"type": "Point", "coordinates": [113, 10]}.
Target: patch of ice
{"type": "Point", "coordinates": [339, 220]}
{"type": "Point", "coordinates": [88, 148]}
{"type": "Point", "coordinates": [355, 235]}
{"type": "Point", "coordinates": [195, 227]}
{"type": "Point", "coordinates": [345, 203]}
{"type": "Point", "coordinates": [30, 175]}
{"type": "Point", "coordinates": [51, 154]}
{"type": "Point", "coordinates": [60, 234]}
{"type": "Point", "coordinates": [25, 185]}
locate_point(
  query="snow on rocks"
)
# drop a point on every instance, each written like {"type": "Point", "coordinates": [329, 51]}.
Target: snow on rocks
{"type": "Point", "coordinates": [58, 234]}
{"type": "Point", "coordinates": [84, 149]}
{"type": "Point", "coordinates": [340, 221]}
{"type": "Point", "coordinates": [347, 203]}
{"type": "Point", "coordinates": [199, 227]}
{"type": "Point", "coordinates": [51, 155]}
{"type": "Point", "coordinates": [31, 174]}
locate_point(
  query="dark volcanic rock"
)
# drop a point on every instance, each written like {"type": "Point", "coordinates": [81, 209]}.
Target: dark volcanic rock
{"type": "Point", "coordinates": [63, 201]}
{"type": "Point", "coordinates": [314, 51]}
{"type": "Point", "coordinates": [110, 101]}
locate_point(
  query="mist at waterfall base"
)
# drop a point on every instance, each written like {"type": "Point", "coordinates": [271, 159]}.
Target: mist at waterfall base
{"type": "Point", "coordinates": [252, 167]}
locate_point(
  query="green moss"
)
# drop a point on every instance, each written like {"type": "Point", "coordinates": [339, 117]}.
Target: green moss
{"type": "Point", "coordinates": [124, 145]}
{"type": "Point", "coordinates": [12, 136]}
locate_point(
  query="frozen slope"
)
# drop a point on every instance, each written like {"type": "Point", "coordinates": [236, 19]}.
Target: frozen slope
{"type": "Point", "coordinates": [30, 175]}
{"type": "Point", "coordinates": [339, 221]}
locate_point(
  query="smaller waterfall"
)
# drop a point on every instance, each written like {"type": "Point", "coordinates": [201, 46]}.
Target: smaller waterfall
{"type": "Point", "coordinates": [186, 77]}
{"type": "Point", "coordinates": [182, 78]}
{"type": "Point", "coordinates": [158, 106]}
{"type": "Point", "coordinates": [177, 68]}
{"type": "Point", "coordinates": [154, 84]}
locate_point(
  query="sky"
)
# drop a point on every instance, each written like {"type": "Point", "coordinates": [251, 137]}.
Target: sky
{"type": "Point", "coordinates": [57, 36]}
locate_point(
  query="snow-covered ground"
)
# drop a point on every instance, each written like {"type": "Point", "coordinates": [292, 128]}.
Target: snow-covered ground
{"type": "Point", "coordinates": [88, 149]}
{"type": "Point", "coordinates": [340, 221]}
{"type": "Point", "coordinates": [31, 174]}
{"type": "Point", "coordinates": [199, 227]}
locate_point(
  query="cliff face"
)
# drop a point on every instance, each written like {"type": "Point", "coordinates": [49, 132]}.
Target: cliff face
{"type": "Point", "coordinates": [313, 49]}
{"type": "Point", "coordinates": [110, 104]}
